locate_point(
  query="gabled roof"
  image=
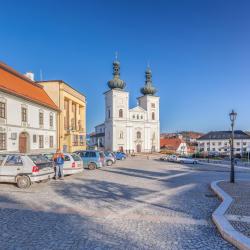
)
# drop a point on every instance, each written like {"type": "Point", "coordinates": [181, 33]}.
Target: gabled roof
{"type": "Point", "coordinates": [19, 85]}
{"type": "Point", "coordinates": [224, 135]}
{"type": "Point", "coordinates": [171, 143]}
{"type": "Point", "coordinates": [137, 108]}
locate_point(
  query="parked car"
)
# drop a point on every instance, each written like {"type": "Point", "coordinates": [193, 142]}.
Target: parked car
{"type": "Point", "coordinates": [172, 158]}
{"type": "Point", "coordinates": [24, 169]}
{"type": "Point", "coordinates": [120, 156]}
{"type": "Point", "coordinates": [109, 158]}
{"type": "Point", "coordinates": [92, 159]}
{"type": "Point", "coordinates": [73, 163]}
{"type": "Point", "coordinates": [187, 160]}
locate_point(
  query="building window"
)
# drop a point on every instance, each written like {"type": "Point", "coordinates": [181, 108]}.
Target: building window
{"type": "Point", "coordinates": [213, 143]}
{"type": "Point", "coordinates": [121, 135]}
{"type": "Point", "coordinates": [51, 141]}
{"type": "Point", "coordinates": [109, 113]}
{"type": "Point", "coordinates": [51, 120]}
{"type": "Point", "coordinates": [152, 105]}
{"type": "Point", "coordinates": [75, 140]}
{"type": "Point", "coordinates": [41, 118]}
{"type": "Point", "coordinates": [3, 141]}
{"type": "Point", "coordinates": [24, 114]}
{"type": "Point", "coordinates": [120, 113]}
{"type": "Point", "coordinates": [133, 116]}
{"type": "Point", "coordinates": [81, 140]}
{"type": "Point", "coordinates": [238, 143]}
{"type": "Point", "coordinates": [34, 138]}
{"type": "Point", "coordinates": [208, 143]}
{"type": "Point", "coordinates": [3, 110]}
{"type": "Point", "coordinates": [41, 141]}
{"type": "Point", "coordinates": [138, 135]}
{"type": "Point", "coordinates": [141, 117]}
{"type": "Point", "coordinates": [153, 115]}
{"type": "Point", "coordinates": [219, 143]}
{"type": "Point", "coordinates": [244, 143]}
{"type": "Point", "coordinates": [137, 117]}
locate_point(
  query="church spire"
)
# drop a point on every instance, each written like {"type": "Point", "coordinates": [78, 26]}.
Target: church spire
{"type": "Point", "coordinates": [116, 82]}
{"type": "Point", "coordinates": [148, 88]}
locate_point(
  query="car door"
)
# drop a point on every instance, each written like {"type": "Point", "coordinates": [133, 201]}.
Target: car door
{"type": "Point", "coordinates": [84, 155]}
{"type": "Point", "coordinates": [2, 160]}
{"type": "Point", "coordinates": [12, 166]}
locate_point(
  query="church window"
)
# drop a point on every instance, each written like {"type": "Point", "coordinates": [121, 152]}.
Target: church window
{"type": "Point", "coordinates": [152, 105]}
{"type": "Point", "coordinates": [138, 135]}
{"type": "Point", "coordinates": [137, 117]}
{"type": "Point", "coordinates": [109, 113]}
{"type": "Point", "coordinates": [153, 115]}
{"type": "Point", "coordinates": [133, 116]}
{"type": "Point", "coordinates": [141, 117]}
{"type": "Point", "coordinates": [120, 113]}
{"type": "Point", "coordinates": [121, 135]}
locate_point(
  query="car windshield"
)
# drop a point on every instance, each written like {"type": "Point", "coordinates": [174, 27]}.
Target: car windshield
{"type": "Point", "coordinates": [37, 159]}
{"type": "Point", "coordinates": [76, 157]}
{"type": "Point", "coordinates": [107, 154]}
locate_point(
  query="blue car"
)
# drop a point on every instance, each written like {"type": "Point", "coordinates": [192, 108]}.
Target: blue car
{"type": "Point", "coordinates": [92, 159]}
{"type": "Point", "coordinates": [120, 156]}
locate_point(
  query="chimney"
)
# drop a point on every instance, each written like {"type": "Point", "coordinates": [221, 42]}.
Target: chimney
{"type": "Point", "coordinates": [30, 75]}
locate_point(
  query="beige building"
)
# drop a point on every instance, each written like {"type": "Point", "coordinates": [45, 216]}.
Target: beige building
{"type": "Point", "coordinates": [71, 132]}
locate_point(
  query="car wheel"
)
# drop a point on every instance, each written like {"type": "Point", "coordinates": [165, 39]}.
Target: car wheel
{"type": "Point", "coordinates": [123, 158]}
{"type": "Point", "coordinates": [23, 181]}
{"type": "Point", "coordinates": [92, 166]}
{"type": "Point", "coordinates": [109, 163]}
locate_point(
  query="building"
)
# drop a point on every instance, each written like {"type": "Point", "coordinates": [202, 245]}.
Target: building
{"type": "Point", "coordinates": [97, 139]}
{"type": "Point", "coordinates": [72, 118]}
{"type": "Point", "coordinates": [174, 145]}
{"type": "Point", "coordinates": [27, 114]}
{"type": "Point", "coordinates": [131, 129]}
{"type": "Point", "coordinates": [218, 142]}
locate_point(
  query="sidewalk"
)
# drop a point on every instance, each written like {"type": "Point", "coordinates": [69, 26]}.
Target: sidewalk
{"type": "Point", "coordinates": [238, 212]}
{"type": "Point", "coordinates": [232, 217]}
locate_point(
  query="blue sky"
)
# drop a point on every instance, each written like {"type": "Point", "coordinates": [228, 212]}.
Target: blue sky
{"type": "Point", "coordinates": [198, 51]}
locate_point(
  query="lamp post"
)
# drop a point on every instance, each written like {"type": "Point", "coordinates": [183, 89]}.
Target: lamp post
{"type": "Point", "coordinates": [232, 116]}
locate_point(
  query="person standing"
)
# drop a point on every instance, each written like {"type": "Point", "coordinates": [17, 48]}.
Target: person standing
{"type": "Point", "coordinates": [58, 159]}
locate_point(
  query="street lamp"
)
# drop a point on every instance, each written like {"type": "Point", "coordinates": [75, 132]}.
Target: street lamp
{"type": "Point", "coordinates": [232, 116]}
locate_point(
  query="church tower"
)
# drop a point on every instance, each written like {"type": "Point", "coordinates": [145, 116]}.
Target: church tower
{"type": "Point", "coordinates": [149, 102]}
{"type": "Point", "coordinates": [116, 111]}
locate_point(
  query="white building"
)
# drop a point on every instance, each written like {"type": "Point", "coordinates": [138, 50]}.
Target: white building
{"type": "Point", "coordinates": [131, 130]}
{"type": "Point", "coordinates": [219, 142]}
{"type": "Point", "coordinates": [27, 114]}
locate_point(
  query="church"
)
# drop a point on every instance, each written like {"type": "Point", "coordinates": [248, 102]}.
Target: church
{"type": "Point", "coordinates": [127, 129]}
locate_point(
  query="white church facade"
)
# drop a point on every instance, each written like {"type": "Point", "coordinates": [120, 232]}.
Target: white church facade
{"type": "Point", "coordinates": [130, 130]}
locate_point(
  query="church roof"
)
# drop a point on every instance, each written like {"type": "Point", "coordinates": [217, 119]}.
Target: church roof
{"type": "Point", "coordinates": [148, 88]}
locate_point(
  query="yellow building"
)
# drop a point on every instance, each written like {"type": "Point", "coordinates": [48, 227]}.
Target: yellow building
{"type": "Point", "coordinates": [71, 129]}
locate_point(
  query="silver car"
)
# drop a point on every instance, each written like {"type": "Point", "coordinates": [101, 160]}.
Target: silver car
{"type": "Point", "coordinates": [73, 164]}
{"type": "Point", "coordinates": [24, 169]}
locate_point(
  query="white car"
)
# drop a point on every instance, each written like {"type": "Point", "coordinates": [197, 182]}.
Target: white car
{"type": "Point", "coordinates": [187, 160]}
{"type": "Point", "coordinates": [73, 164]}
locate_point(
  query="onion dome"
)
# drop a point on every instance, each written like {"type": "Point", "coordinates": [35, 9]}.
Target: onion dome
{"type": "Point", "coordinates": [148, 88]}
{"type": "Point", "coordinates": [116, 82]}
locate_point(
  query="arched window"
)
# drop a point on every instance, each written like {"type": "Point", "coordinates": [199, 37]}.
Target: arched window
{"type": "Point", "coordinates": [109, 113]}
{"type": "Point", "coordinates": [153, 115]}
{"type": "Point", "coordinates": [120, 113]}
{"type": "Point", "coordinates": [141, 117]}
{"type": "Point", "coordinates": [137, 117]}
{"type": "Point", "coordinates": [138, 135]}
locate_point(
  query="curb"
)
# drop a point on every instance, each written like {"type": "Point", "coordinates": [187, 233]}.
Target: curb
{"type": "Point", "coordinates": [225, 228]}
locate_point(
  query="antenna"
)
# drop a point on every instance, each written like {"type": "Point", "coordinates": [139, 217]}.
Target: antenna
{"type": "Point", "coordinates": [41, 75]}
{"type": "Point", "coordinates": [116, 55]}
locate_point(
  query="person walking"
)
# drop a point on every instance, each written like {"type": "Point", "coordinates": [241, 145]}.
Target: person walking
{"type": "Point", "coordinates": [58, 159]}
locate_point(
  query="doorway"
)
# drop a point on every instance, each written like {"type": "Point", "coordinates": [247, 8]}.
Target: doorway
{"type": "Point", "coordinates": [138, 148]}
{"type": "Point", "coordinates": [23, 142]}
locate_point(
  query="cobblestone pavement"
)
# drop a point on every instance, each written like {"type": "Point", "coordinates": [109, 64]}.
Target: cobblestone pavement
{"type": "Point", "coordinates": [135, 204]}
{"type": "Point", "coordinates": [239, 211]}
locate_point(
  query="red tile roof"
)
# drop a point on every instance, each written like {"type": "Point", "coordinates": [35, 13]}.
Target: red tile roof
{"type": "Point", "coordinates": [170, 143]}
{"type": "Point", "coordinates": [17, 84]}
